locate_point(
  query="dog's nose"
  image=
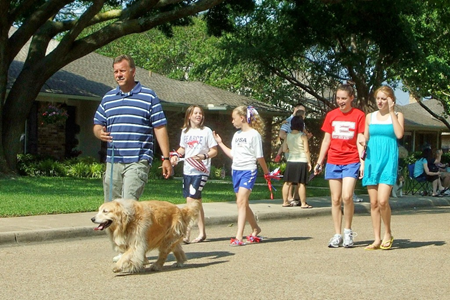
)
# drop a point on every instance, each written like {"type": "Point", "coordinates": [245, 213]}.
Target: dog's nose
{"type": "Point", "coordinates": [93, 219]}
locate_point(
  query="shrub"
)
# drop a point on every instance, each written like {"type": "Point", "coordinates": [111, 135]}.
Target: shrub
{"type": "Point", "coordinates": [97, 170]}
{"type": "Point", "coordinates": [80, 170]}
{"type": "Point", "coordinates": [49, 167]}
{"type": "Point", "coordinates": [26, 164]}
{"type": "Point", "coordinates": [217, 173]}
{"type": "Point", "coordinates": [445, 159]}
{"type": "Point", "coordinates": [410, 159]}
{"type": "Point", "coordinates": [34, 165]}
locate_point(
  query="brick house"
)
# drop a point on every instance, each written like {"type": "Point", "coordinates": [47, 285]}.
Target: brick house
{"type": "Point", "coordinates": [80, 86]}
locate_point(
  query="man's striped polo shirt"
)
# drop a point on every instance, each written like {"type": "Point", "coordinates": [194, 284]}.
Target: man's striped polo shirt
{"type": "Point", "coordinates": [130, 118]}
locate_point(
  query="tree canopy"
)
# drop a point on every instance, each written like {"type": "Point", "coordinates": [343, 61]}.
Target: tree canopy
{"type": "Point", "coordinates": [286, 50]}
{"type": "Point", "coordinates": [306, 48]}
{"type": "Point", "coordinates": [315, 46]}
{"type": "Point", "coordinates": [81, 28]}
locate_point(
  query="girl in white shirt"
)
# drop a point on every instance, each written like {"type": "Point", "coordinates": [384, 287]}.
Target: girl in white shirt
{"type": "Point", "coordinates": [197, 144]}
{"type": "Point", "coordinates": [246, 150]}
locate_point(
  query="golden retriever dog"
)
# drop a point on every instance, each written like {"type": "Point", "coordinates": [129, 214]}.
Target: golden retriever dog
{"type": "Point", "coordinates": [136, 227]}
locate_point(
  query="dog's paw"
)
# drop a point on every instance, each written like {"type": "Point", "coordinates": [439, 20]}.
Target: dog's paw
{"type": "Point", "coordinates": [155, 267]}
{"type": "Point", "coordinates": [117, 270]}
{"type": "Point", "coordinates": [178, 265]}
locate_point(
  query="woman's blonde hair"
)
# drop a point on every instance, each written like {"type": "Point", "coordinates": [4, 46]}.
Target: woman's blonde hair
{"type": "Point", "coordinates": [252, 117]}
{"type": "Point", "coordinates": [189, 112]}
{"type": "Point", "coordinates": [387, 90]}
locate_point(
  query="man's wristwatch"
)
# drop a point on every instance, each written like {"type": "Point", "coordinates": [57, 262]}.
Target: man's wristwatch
{"type": "Point", "coordinates": [165, 158]}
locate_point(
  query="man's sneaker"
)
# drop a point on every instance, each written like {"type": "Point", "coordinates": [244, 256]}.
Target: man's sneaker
{"type": "Point", "coordinates": [348, 238]}
{"type": "Point", "coordinates": [335, 241]}
{"type": "Point", "coordinates": [117, 257]}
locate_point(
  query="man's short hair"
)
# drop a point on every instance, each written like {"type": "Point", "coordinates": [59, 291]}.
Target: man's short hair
{"type": "Point", "coordinates": [126, 57]}
{"type": "Point", "coordinates": [300, 113]}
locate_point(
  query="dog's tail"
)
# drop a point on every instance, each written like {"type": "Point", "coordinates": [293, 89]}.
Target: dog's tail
{"type": "Point", "coordinates": [191, 212]}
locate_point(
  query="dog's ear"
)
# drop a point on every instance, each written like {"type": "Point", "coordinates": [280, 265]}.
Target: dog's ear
{"type": "Point", "coordinates": [126, 212]}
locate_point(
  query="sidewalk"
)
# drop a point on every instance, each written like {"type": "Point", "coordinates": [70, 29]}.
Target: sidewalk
{"type": "Point", "coordinates": [52, 227]}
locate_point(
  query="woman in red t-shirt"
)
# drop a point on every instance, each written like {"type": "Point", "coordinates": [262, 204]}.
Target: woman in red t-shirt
{"type": "Point", "coordinates": [344, 129]}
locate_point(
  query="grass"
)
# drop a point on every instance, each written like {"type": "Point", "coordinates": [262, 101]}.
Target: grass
{"type": "Point", "coordinates": [26, 196]}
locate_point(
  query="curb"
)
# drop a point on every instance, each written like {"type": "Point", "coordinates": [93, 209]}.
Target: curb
{"type": "Point", "coordinates": [45, 235]}
{"type": "Point", "coordinates": [289, 213]}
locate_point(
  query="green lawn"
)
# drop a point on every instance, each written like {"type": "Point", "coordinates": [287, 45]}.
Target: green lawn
{"type": "Point", "coordinates": [24, 196]}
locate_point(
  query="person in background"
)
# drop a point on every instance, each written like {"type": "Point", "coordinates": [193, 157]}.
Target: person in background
{"type": "Point", "coordinates": [127, 118]}
{"type": "Point", "coordinates": [285, 129]}
{"type": "Point", "coordinates": [246, 150]}
{"type": "Point", "coordinates": [299, 162]}
{"type": "Point", "coordinates": [445, 176]}
{"type": "Point", "coordinates": [384, 128]}
{"type": "Point", "coordinates": [299, 110]}
{"type": "Point", "coordinates": [344, 129]}
{"type": "Point", "coordinates": [422, 171]}
{"type": "Point", "coordinates": [198, 145]}
{"type": "Point", "coordinates": [128, 126]}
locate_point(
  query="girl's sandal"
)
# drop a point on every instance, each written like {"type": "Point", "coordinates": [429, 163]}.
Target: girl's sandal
{"type": "Point", "coordinates": [236, 242]}
{"type": "Point", "coordinates": [372, 247]}
{"type": "Point", "coordinates": [254, 239]}
{"type": "Point", "coordinates": [386, 245]}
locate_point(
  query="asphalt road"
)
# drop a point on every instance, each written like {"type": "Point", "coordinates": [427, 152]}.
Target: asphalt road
{"type": "Point", "coordinates": [293, 262]}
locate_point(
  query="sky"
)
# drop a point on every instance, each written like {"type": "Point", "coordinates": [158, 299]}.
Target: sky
{"type": "Point", "coordinates": [402, 97]}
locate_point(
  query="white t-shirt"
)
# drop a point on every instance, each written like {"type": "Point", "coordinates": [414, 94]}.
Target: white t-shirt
{"type": "Point", "coordinates": [197, 141]}
{"type": "Point", "coordinates": [246, 148]}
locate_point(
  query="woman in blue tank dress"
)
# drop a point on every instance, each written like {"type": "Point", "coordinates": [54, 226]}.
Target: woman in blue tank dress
{"type": "Point", "coordinates": [383, 128]}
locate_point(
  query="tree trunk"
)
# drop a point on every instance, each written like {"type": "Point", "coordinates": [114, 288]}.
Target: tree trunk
{"type": "Point", "coordinates": [4, 169]}
{"type": "Point", "coordinates": [15, 111]}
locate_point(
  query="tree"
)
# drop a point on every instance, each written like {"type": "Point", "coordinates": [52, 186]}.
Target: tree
{"type": "Point", "coordinates": [174, 56]}
{"type": "Point", "coordinates": [287, 50]}
{"type": "Point", "coordinates": [191, 53]}
{"type": "Point", "coordinates": [72, 21]}
{"type": "Point", "coordinates": [429, 76]}
{"type": "Point", "coordinates": [315, 45]}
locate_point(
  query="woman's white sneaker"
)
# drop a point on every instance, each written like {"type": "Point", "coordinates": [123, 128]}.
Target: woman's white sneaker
{"type": "Point", "coordinates": [335, 241]}
{"type": "Point", "coordinates": [348, 238]}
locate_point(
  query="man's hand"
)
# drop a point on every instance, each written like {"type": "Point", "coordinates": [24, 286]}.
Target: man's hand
{"type": "Point", "coordinates": [101, 133]}
{"type": "Point", "coordinates": [166, 168]}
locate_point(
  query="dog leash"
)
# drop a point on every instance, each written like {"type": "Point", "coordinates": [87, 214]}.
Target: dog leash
{"type": "Point", "coordinates": [112, 168]}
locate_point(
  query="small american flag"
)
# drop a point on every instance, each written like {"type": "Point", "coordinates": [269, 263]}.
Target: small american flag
{"type": "Point", "coordinates": [197, 164]}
